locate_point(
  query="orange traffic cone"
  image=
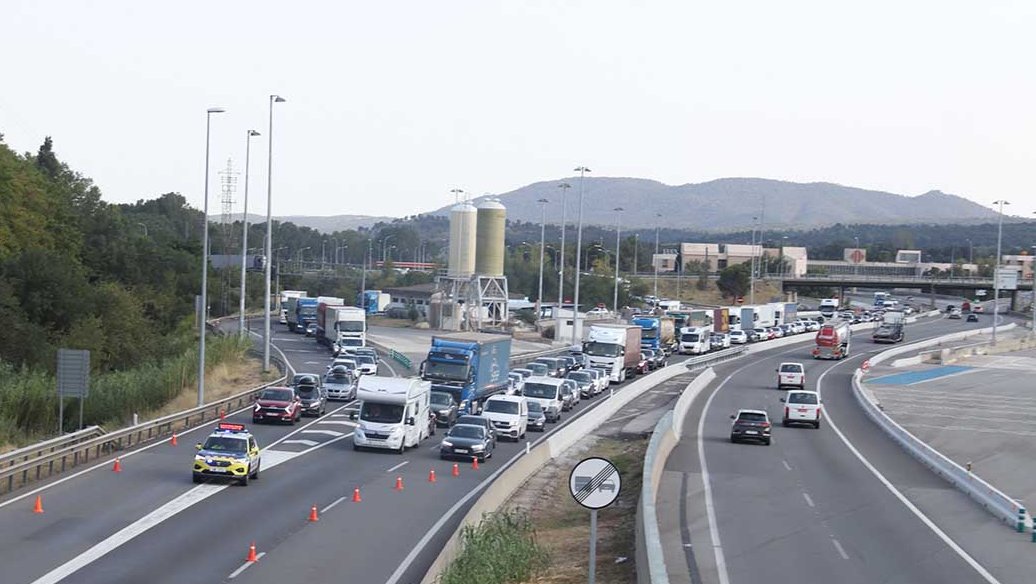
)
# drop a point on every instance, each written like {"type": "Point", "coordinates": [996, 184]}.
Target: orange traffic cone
{"type": "Point", "coordinates": [474, 463]}
{"type": "Point", "coordinates": [172, 442]}
{"type": "Point", "coordinates": [313, 514]}
{"type": "Point", "coordinates": [38, 508]}
{"type": "Point", "coordinates": [117, 467]}
{"type": "Point", "coordinates": [222, 415]}
{"type": "Point", "coordinates": [431, 476]}
{"type": "Point", "coordinates": [356, 495]}
{"type": "Point", "coordinates": [456, 470]}
{"type": "Point", "coordinates": [399, 483]}
{"type": "Point", "coordinates": [251, 554]}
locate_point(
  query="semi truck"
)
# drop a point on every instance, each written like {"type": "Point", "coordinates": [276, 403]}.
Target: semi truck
{"type": "Point", "coordinates": [341, 325]}
{"type": "Point", "coordinates": [891, 328]}
{"type": "Point", "coordinates": [282, 306]}
{"type": "Point", "coordinates": [616, 347]}
{"type": "Point", "coordinates": [305, 313]}
{"type": "Point", "coordinates": [657, 332]}
{"type": "Point", "coordinates": [828, 307]}
{"type": "Point", "coordinates": [291, 312]}
{"type": "Point", "coordinates": [375, 301]}
{"type": "Point", "coordinates": [832, 341]}
{"type": "Point", "coordinates": [469, 366]}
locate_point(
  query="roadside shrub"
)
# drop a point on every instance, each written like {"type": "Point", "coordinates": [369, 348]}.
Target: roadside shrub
{"type": "Point", "coordinates": [501, 549]}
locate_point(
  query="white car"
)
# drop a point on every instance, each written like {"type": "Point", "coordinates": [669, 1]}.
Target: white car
{"type": "Point", "coordinates": [509, 414]}
{"type": "Point", "coordinates": [366, 364]}
{"type": "Point", "coordinates": [738, 337]}
{"type": "Point", "coordinates": [515, 381]}
{"type": "Point", "coordinates": [599, 379]}
{"type": "Point", "coordinates": [719, 341]}
{"type": "Point", "coordinates": [791, 374]}
{"type": "Point", "coordinates": [606, 380]}
{"type": "Point", "coordinates": [598, 311]}
{"type": "Point", "coordinates": [349, 363]}
{"type": "Point", "coordinates": [802, 407]}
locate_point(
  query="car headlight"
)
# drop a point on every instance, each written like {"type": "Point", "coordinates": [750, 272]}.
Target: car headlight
{"type": "Point", "coordinates": [464, 405]}
{"type": "Point", "coordinates": [447, 444]}
{"type": "Point", "coordinates": [241, 460]}
{"type": "Point", "coordinates": [199, 458]}
{"type": "Point", "coordinates": [444, 412]}
{"type": "Point", "coordinates": [477, 447]}
{"type": "Point", "coordinates": [396, 430]}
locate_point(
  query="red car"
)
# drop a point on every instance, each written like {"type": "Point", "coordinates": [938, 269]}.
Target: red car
{"type": "Point", "coordinates": [277, 404]}
{"type": "Point", "coordinates": [643, 365]}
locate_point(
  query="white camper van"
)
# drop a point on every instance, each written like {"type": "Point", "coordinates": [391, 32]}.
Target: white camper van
{"type": "Point", "coordinates": [393, 414]}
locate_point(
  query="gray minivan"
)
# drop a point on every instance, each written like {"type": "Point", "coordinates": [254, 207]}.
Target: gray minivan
{"type": "Point", "coordinates": [555, 367]}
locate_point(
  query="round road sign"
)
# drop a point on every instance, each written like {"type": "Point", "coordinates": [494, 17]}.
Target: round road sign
{"type": "Point", "coordinates": [594, 483]}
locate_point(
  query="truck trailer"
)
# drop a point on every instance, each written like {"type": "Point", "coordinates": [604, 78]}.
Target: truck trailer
{"type": "Point", "coordinates": [469, 366]}
{"type": "Point", "coordinates": [657, 332]}
{"type": "Point", "coordinates": [832, 341]}
{"type": "Point", "coordinates": [616, 347]}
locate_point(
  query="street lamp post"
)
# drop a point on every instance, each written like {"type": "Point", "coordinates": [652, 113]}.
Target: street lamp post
{"type": "Point", "coordinates": [751, 280]}
{"type": "Point", "coordinates": [579, 242]}
{"type": "Point", "coordinates": [618, 246]}
{"type": "Point", "coordinates": [636, 246]}
{"type": "Point", "coordinates": [363, 277]}
{"type": "Point", "coordinates": [996, 265]}
{"type": "Point", "coordinates": [384, 256]}
{"type": "Point", "coordinates": [654, 258]}
{"type": "Point", "coordinates": [856, 264]}
{"type": "Point", "coordinates": [269, 233]}
{"type": "Point", "coordinates": [244, 234]}
{"type": "Point", "coordinates": [561, 264]}
{"type": "Point", "coordinates": [543, 234]}
{"type": "Point", "coordinates": [204, 262]}
{"type": "Point", "coordinates": [298, 262]}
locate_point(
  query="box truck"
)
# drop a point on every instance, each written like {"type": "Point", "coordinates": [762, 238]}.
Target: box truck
{"type": "Point", "coordinates": [469, 366]}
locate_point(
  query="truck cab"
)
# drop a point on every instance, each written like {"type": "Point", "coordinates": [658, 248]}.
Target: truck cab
{"type": "Point", "coordinates": [614, 347]}
{"type": "Point", "coordinates": [469, 366]}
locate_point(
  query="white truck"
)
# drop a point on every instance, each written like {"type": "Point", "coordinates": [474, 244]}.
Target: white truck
{"type": "Point", "coordinates": [341, 326]}
{"type": "Point", "coordinates": [393, 414]}
{"type": "Point", "coordinates": [695, 340]}
{"type": "Point", "coordinates": [615, 347]}
{"type": "Point", "coordinates": [283, 306]}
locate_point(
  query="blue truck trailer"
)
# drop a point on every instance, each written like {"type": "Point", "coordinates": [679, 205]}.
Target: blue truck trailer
{"type": "Point", "coordinates": [470, 366]}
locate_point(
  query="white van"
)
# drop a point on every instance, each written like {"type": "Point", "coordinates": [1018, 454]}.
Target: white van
{"type": "Point", "coordinates": [394, 413]}
{"type": "Point", "coordinates": [509, 414]}
{"type": "Point", "coordinates": [546, 391]}
{"type": "Point", "coordinates": [695, 340]}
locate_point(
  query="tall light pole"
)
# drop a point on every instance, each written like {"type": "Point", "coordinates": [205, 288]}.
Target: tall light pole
{"type": "Point", "coordinates": [363, 277]}
{"type": "Point", "coordinates": [269, 233]}
{"type": "Point", "coordinates": [996, 265]}
{"type": "Point", "coordinates": [561, 264]}
{"type": "Point", "coordinates": [299, 261]}
{"type": "Point", "coordinates": [543, 234]}
{"type": "Point", "coordinates": [751, 281]}
{"type": "Point", "coordinates": [636, 246]}
{"type": "Point", "coordinates": [971, 253]}
{"type": "Point", "coordinates": [204, 262]}
{"type": "Point", "coordinates": [579, 243]}
{"type": "Point", "coordinates": [856, 265]}
{"type": "Point", "coordinates": [384, 240]}
{"type": "Point", "coordinates": [244, 234]}
{"type": "Point", "coordinates": [654, 258]}
{"type": "Point", "coordinates": [618, 246]}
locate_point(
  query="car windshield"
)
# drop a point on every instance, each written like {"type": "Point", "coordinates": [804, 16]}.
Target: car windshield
{"type": "Point", "coordinates": [381, 413]}
{"type": "Point", "coordinates": [802, 398]}
{"type": "Point", "coordinates": [543, 390]}
{"type": "Point", "coordinates": [347, 363]}
{"type": "Point", "coordinates": [597, 349]}
{"type": "Point", "coordinates": [502, 407]}
{"type": "Point", "coordinates": [751, 417]}
{"type": "Point", "coordinates": [226, 444]}
{"type": "Point", "coordinates": [538, 369]}
{"type": "Point", "coordinates": [791, 368]}
{"type": "Point", "coordinates": [446, 371]}
{"type": "Point", "coordinates": [351, 326]}
{"type": "Point", "coordinates": [365, 359]}
{"type": "Point", "coordinates": [689, 338]}
{"type": "Point", "coordinates": [276, 394]}
{"type": "Point", "coordinates": [535, 408]}
{"type": "Point", "coordinates": [523, 372]}
{"type": "Point", "coordinates": [467, 431]}
{"type": "Point", "coordinates": [308, 391]}
{"type": "Point", "coordinates": [440, 399]}
{"type": "Point", "coordinates": [338, 377]}
{"type": "Point", "coordinates": [580, 376]}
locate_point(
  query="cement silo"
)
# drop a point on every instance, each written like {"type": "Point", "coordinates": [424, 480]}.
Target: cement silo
{"type": "Point", "coordinates": [463, 220]}
{"type": "Point", "coordinates": [489, 242]}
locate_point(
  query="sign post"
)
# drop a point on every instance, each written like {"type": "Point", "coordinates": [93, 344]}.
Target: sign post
{"type": "Point", "coordinates": [73, 381]}
{"type": "Point", "coordinates": [594, 484]}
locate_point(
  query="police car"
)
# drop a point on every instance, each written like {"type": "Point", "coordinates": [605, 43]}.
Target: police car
{"type": "Point", "coordinates": [230, 452]}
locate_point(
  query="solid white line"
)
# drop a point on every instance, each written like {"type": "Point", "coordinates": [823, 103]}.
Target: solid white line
{"type": "Point", "coordinates": [710, 509]}
{"type": "Point", "coordinates": [398, 466]}
{"type": "Point", "coordinates": [343, 422]}
{"type": "Point", "coordinates": [841, 550]}
{"type": "Point", "coordinates": [331, 506]}
{"type": "Point", "coordinates": [906, 502]}
{"type": "Point", "coordinates": [245, 566]}
{"type": "Point", "coordinates": [324, 432]}
{"type": "Point", "coordinates": [809, 501]}
{"type": "Point", "coordinates": [786, 465]}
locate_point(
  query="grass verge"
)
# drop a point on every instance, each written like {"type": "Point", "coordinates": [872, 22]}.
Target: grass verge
{"type": "Point", "coordinates": [501, 549]}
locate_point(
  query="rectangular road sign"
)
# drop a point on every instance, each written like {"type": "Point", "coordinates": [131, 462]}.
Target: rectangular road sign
{"type": "Point", "coordinates": [73, 372]}
{"type": "Point", "coordinates": [1007, 278]}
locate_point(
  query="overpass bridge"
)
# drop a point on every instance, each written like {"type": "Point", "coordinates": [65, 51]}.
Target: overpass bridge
{"type": "Point", "coordinates": [944, 285]}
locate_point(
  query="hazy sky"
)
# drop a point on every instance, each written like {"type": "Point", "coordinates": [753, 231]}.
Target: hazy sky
{"type": "Point", "coordinates": [392, 104]}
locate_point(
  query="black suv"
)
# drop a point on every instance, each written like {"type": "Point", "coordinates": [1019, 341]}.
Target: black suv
{"type": "Point", "coordinates": [751, 425]}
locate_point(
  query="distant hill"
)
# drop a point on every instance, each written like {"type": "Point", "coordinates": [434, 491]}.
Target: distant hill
{"type": "Point", "coordinates": [731, 203]}
{"type": "Point", "coordinates": [328, 224]}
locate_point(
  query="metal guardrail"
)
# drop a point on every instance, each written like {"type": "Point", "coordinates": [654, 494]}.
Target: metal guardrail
{"type": "Point", "coordinates": [48, 462]}
{"type": "Point", "coordinates": [400, 358]}
{"type": "Point", "coordinates": [715, 358]}
{"type": "Point", "coordinates": [992, 499]}
{"type": "Point", "coordinates": [9, 459]}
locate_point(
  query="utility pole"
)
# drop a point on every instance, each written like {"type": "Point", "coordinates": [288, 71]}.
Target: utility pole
{"type": "Point", "coordinates": [561, 264]}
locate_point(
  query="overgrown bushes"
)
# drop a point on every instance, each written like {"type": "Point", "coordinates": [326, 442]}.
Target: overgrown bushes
{"type": "Point", "coordinates": [501, 549]}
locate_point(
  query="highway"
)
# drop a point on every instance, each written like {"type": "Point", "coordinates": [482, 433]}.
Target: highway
{"type": "Point", "coordinates": [806, 508]}
{"type": "Point", "coordinates": [150, 523]}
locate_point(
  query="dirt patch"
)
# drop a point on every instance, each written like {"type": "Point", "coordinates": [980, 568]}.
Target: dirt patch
{"type": "Point", "coordinates": [764, 291]}
{"type": "Point", "coordinates": [389, 322]}
{"type": "Point", "coordinates": [223, 380]}
{"type": "Point", "coordinates": [563, 526]}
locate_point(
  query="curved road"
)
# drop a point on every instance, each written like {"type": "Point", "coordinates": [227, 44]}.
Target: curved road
{"type": "Point", "coordinates": [806, 508]}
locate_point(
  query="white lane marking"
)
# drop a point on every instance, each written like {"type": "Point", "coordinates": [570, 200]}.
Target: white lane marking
{"type": "Point", "coordinates": [343, 422]}
{"type": "Point", "coordinates": [324, 432]}
{"type": "Point", "coordinates": [332, 505]}
{"type": "Point", "coordinates": [312, 363]}
{"type": "Point", "coordinates": [300, 441]}
{"type": "Point", "coordinates": [710, 509]}
{"type": "Point", "coordinates": [809, 501]}
{"type": "Point", "coordinates": [245, 566]}
{"type": "Point", "coordinates": [786, 465]}
{"type": "Point", "coordinates": [841, 550]}
{"type": "Point", "coordinates": [902, 498]}
{"type": "Point", "coordinates": [270, 459]}
{"type": "Point", "coordinates": [398, 466]}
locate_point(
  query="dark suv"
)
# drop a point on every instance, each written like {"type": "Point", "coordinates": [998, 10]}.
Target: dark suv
{"type": "Point", "coordinates": [751, 425]}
